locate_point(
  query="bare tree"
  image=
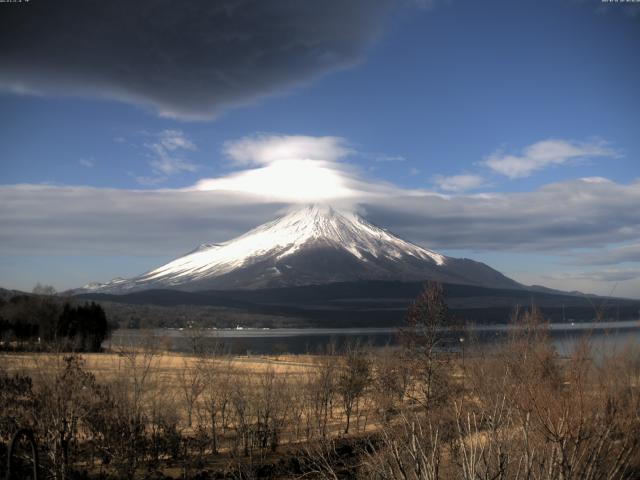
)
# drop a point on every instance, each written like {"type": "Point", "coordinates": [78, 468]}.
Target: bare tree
{"type": "Point", "coordinates": [243, 406]}
{"type": "Point", "coordinates": [421, 338]}
{"type": "Point", "coordinates": [408, 450]}
{"type": "Point", "coordinates": [391, 378]}
{"type": "Point", "coordinates": [216, 373]}
{"type": "Point", "coordinates": [271, 408]}
{"type": "Point", "coordinates": [353, 377]}
{"type": "Point", "coordinates": [65, 395]}
{"type": "Point", "coordinates": [192, 384]}
{"type": "Point", "coordinates": [320, 390]}
{"type": "Point", "coordinates": [41, 289]}
{"type": "Point", "coordinates": [194, 334]}
{"type": "Point", "coordinates": [163, 424]}
{"type": "Point", "coordinates": [126, 428]}
{"type": "Point", "coordinates": [535, 417]}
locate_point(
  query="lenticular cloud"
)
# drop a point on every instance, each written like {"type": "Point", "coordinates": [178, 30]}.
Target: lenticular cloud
{"type": "Point", "coordinates": [295, 169]}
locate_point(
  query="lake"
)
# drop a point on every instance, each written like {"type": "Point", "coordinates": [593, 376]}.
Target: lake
{"type": "Point", "coordinates": [605, 337]}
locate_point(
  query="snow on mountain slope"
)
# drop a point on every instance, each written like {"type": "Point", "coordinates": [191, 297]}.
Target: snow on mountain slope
{"type": "Point", "coordinates": [312, 245]}
{"type": "Point", "coordinates": [286, 236]}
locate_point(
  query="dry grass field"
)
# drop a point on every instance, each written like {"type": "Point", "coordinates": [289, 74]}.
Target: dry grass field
{"type": "Point", "coordinates": [108, 365]}
{"type": "Point", "coordinates": [166, 374]}
{"type": "Point", "coordinates": [185, 384]}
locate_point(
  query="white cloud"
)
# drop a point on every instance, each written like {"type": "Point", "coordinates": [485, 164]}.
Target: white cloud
{"type": "Point", "coordinates": [389, 158]}
{"type": "Point", "coordinates": [87, 162]}
{"type": "Point", "coordinates": [291, 181]}
{"type": "Point", "coordinates": [459, 183]}
{"type": "Point", "coordinates": [295, 169]}
{"type": "Point", "coordinates": [175, 139]}
{"type": "Point", "coordinates": [170, 165]}
{"type": "Point", "coordinates": [267, 149]}
{"type": "Point", "coordinates": [166, 151]}
{"type": "Point", "coordinates": [150, 181]}
{"type": "Point", "coordinates": [544, 154]}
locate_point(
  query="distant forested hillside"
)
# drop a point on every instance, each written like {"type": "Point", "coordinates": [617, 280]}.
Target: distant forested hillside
{"type": "Point", "coordinates": [348, 304]}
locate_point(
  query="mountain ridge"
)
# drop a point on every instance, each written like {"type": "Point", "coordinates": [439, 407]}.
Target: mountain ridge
{"type": "Point", "coordinates": [312, 245]}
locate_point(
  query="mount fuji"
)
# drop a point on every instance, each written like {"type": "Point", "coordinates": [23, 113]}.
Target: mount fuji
{"type": "Point", "coordinates": [313, 245]}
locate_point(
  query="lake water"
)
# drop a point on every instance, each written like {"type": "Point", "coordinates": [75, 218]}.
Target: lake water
{"type": "Point", "coordinates": [605, 337]}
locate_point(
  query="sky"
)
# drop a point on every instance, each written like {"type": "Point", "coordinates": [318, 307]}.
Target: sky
{"type": "Point", "coordinates": [507, 132]}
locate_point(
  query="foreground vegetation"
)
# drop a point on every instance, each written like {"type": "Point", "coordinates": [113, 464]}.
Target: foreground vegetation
{"type": "Point", "coordinates": [517, 411]}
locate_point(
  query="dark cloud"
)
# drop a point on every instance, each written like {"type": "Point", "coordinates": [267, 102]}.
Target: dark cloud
{"type": "Point", "coordinates": [187, 59]}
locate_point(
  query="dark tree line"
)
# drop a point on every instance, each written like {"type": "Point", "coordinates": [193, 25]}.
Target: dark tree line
{"type": "Point", "coordinates": [86, 323]}
{"type": "Point", "coordinates": [38, 320]}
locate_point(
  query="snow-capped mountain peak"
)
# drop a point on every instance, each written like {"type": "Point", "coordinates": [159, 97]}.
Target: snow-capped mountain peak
{"type": "Point", "coordinates": [287, 235]}
{"type": "Point", "coordinates": [311, 245]}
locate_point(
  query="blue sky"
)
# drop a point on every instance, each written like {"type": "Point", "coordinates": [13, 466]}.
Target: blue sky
{"type": "Point", "coordinates": [455, 99]}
